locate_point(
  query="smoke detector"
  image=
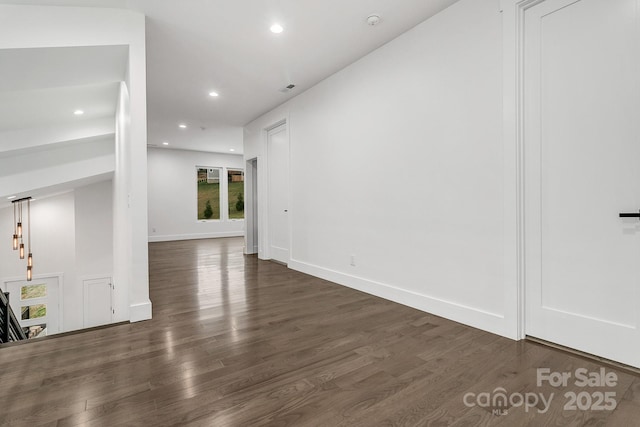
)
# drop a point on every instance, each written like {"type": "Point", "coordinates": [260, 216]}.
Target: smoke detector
{"type": "Point", "coordinates": [373, 20]}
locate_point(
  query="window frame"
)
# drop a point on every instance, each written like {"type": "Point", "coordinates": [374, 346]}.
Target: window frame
{"type": "Point", "coordinates": [220, 192]}
{"type": "Point", "coordinates": [227, 170]}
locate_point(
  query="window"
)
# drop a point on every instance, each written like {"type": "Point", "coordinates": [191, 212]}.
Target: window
{"type": "Point", "coordinates": [235, 193]}
{"type": "Point", "coordinates": [208, 179]}
{"type": "Point", "coordinates": [36, 305]}
{"type": "Point", "coordinates": [33, 311]}
{"type": "Point", "coordinates": [33, 291]}
{"type": "Point", "coordinates": [220, 198]}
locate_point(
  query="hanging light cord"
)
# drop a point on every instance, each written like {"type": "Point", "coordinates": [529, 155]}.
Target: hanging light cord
{"type": "Point", "coordinates": [29, 225]}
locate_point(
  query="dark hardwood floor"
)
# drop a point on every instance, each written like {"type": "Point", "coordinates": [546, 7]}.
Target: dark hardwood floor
{"type": "Point", "coordinates": [235, 341]}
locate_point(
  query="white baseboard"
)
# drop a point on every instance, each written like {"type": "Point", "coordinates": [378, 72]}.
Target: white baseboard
{"type": "Point", "coordinates": [250, 252]}
{"type": "Point", "coordinates": [140, 312]}
{"type": "Point", "coordinates": [471, 316]}
{"type": "Point", "coordinates": [173, 237]}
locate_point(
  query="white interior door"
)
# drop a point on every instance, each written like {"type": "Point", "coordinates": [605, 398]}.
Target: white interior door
{"type": "Point", "coordinates": [36, 304]}
{"type": "Point", "coordinates": [582, 168]}
{"type": "Point", "coordinates": [98, 302]}
{"type": "Point", "coordinates": [278, 203]}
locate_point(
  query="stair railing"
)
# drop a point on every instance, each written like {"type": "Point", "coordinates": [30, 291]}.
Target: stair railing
{"type": "Point", "coordinates": [10, 329]}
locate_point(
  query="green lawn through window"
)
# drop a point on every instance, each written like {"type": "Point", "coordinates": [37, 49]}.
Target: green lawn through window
{"type": "Point", "coordinates": [235, 190]}
{"type": "Point", "coordinates": [211, 193]}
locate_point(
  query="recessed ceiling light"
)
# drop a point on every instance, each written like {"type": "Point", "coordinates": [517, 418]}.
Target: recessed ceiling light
{"type": "Point", "coordinates": [214, 94]}
{"type": "Point", "coordinates": [231, 149]}
{"type": "Point", "coordinates": [182, 126]}
{"type": "Point", "coordinates": [276, 28]}
{"type": "Point", "coordinates": [165, 143]}
{"type": "Point", "coordinates": [78, 112]}
{"type": "Point", "coordinates": [11, 197]}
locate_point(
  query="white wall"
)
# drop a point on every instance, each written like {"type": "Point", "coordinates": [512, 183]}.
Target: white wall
{"type": "Point", "coordinates": [172, 193]}
{"type": "Point", "coordinates": [398, 160]}
{"type": "Point", "coordinates": [94, 236]}
{"type": "Point", "coordinates": [71, 236]}
{"type": "Point", "coordinates": [53, 247]}
{"type": "Point", "coordinates": [42, 26]}
{"type": "Point", "coordinates": [122, 267]}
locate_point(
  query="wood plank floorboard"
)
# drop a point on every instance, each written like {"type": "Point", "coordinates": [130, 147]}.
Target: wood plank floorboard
{"type": "Point", "coordinates": [235, 341]}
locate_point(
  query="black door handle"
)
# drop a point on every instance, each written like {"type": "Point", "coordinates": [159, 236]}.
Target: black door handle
{"type": "Point", "coordinates": [629, 215]}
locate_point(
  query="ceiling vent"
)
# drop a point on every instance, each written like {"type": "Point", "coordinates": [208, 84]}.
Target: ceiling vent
{"type": "Point", "coordinates": [288, 88]}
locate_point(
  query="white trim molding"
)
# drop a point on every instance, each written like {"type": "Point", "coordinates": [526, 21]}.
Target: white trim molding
{"type": "Point", "coordinates": [513, 12]}
{"type": "Point", "coordinates": [140, 312]}
{"type": "Point", "coordinates": [174, 237]}
{"type": "Point", "coordinates": [471, 316]}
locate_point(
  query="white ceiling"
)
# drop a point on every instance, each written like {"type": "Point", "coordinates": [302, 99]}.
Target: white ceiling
{"type": "Point", "coordinates": [39, 91]}
{"type": "Point", "coordinates": [22, 109]}
{"type": "Point", "coordinates": [196, 46]}
{"type": "Point", "coordinates": [43, 87]}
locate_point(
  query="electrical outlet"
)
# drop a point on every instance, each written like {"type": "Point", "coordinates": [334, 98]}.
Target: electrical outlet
{"type": "Point", "coordinates": [353, 260]}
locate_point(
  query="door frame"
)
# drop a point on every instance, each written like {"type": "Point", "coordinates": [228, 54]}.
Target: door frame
{"type": "Point", "coordinates": [251, 209]}
{"type": "Point", "coordinates": [264, 240]}
{"type": "Point", "coordinates": [513, 12]}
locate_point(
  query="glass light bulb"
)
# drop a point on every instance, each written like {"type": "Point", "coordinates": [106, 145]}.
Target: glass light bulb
{"type": "Point", "coordinates": [19, 229]}
{"type": "Point", "coordinates": [15, 242]}
{"type": "Point", "coordinates": [29, 274]}
{"type": "Point", "coordinates": [30, 260]}
{"type": "Point", "coordinates": [21, 250]}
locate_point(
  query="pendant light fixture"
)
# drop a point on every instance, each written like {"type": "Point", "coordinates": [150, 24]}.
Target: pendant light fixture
{"type": "Point", "coordinates": [15, 230]}
{"type": "Point", "coordinates": [30, 257]}
{"type": "Point", "coordinates": [19, 227]}
{"type": "Point", "coordinates": [20, 231]}
{"type": "Point", "coordinates": [18, 238]}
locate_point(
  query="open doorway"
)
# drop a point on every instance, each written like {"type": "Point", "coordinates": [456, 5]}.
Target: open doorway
{"type": "Point", "coordinates": [251, 183]}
